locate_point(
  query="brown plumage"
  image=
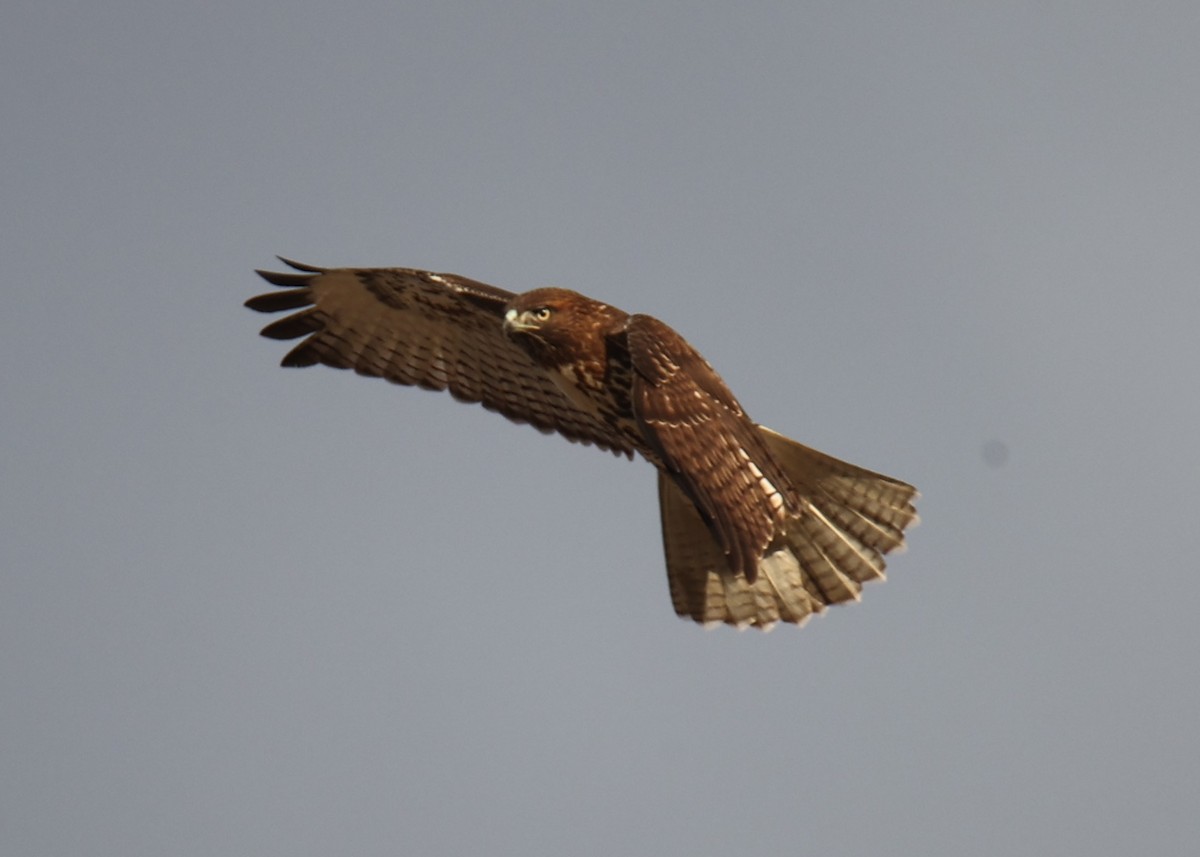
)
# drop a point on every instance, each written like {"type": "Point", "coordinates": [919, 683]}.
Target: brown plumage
{"type": "Point", "coordinates": [757, 528]}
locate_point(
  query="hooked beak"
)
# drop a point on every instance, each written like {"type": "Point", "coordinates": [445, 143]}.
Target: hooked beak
{"type": "Point", "coordinates": [515, 322]}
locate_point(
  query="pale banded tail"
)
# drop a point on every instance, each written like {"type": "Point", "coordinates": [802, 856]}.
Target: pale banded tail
{"type": "Point", "coordinates": [835, 542]}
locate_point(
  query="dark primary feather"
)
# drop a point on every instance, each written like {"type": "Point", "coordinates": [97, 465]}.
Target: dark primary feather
{"type": "Point", "coordinates": [299, 266]}
{"type": "Point", "coordinates": [281, 301]}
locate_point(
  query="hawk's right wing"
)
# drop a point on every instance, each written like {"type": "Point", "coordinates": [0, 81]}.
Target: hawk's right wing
{"type": "Point", "coordinates": [436, 331]}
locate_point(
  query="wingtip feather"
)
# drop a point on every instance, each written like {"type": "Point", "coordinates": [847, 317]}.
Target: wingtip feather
{"type": "Point", "coordinates": [286, 280]}
{"type": "Point", "coordinates": [300, 266]}
{"type": "Point", "coordinates": [280, 301]}
{"type": "Point", "coordinates": [293, 326]}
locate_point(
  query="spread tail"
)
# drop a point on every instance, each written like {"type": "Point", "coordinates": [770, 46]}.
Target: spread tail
{"type": "Point", "coordinates": [847, 519]}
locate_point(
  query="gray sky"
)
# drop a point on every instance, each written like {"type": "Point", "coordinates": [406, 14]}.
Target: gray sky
{"type": "Point", "coordinates": [246, 610]}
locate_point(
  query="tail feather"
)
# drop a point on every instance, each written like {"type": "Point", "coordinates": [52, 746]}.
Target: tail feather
{"type": "Point", "coordinates": [744, 605]}
{"type": "Point", "coordinates": [791, 597]}
{"type": "Point", "coordinates": [848, 518]}
{"type": "Point", "coordinates": [825, 557]}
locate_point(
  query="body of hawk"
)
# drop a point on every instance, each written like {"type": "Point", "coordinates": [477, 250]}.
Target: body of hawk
{"type": "Point", "coordinates": [757, 528]}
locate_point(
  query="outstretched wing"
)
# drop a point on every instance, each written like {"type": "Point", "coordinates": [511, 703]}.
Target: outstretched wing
{"type": "Point", "coordinates": [436, 331]}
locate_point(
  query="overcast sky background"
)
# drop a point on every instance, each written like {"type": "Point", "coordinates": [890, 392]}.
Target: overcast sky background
{"type": "Point", "coordinates": [246, 610]}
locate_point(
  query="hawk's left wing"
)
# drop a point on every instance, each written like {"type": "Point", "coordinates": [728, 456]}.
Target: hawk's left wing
{"type": "Point", "coordinates": [757, 528]}
{"type": "Point", "coordinates": [706, 442]}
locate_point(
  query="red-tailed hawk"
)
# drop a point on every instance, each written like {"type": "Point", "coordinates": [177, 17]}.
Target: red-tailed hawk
{"type": "Point", "coordinates": [758, 529]}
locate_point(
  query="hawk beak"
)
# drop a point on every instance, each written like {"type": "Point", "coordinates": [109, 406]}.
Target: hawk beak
{"type": "Point", "coordinates": [515, 322]}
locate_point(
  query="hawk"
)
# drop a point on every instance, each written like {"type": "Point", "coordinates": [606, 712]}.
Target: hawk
{"type": "Point", "coordinates": [757, 528]}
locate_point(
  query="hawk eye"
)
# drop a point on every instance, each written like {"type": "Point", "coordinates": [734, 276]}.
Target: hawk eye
{"type": "Point", "coordinates": [542, 313]}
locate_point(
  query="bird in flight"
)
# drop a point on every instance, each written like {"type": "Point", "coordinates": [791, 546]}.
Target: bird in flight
{"type": "Point", "coordinates": [757, 528]}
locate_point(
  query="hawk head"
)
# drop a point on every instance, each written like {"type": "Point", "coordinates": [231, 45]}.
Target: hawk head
{"type": "Point", "coordinates": [557, 326]}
